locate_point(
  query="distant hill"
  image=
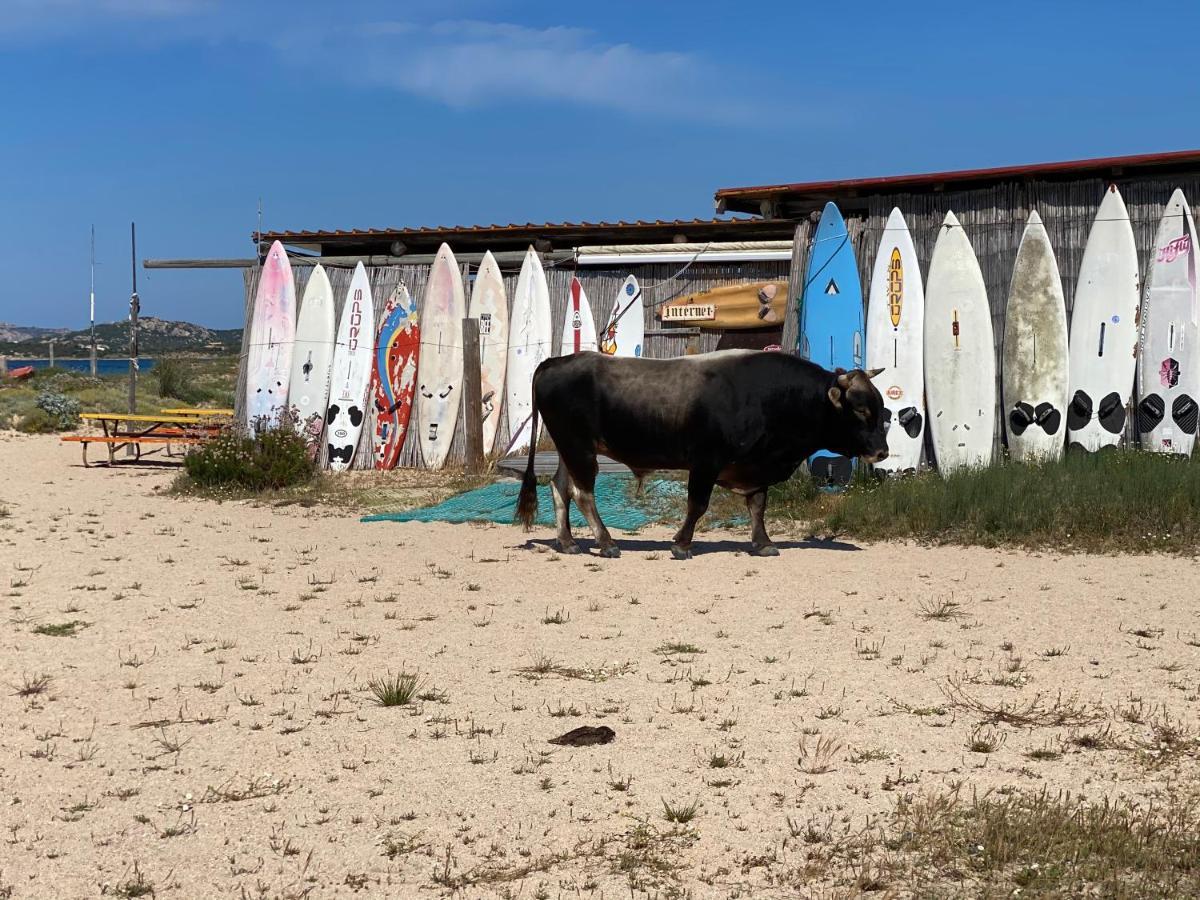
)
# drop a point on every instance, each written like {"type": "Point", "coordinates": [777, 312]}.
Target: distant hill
{"type": "Point", "coordinates": [11, 334]}
{"type": "Point", "coordinates": [112, 339]}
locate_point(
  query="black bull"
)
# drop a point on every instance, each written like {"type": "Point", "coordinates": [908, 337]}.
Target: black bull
{"type": "Point", "coordinates": [742, 419]}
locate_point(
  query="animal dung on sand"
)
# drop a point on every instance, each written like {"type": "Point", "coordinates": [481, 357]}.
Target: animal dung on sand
{"type": "Point", "coordinates": [585, 736]}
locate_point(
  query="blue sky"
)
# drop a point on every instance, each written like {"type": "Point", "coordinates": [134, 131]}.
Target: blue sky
{"type": "Point", "coordinates": [181, 114]}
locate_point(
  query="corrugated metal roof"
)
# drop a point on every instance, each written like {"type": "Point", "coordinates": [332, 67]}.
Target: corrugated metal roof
{"type": "Point", "coordinates": [749, 199]}
{"type": "Point", "coordinates": [547, 228]}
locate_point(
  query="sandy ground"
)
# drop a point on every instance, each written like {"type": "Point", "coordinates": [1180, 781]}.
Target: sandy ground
{"type": "Point", "coordinates": [208, 729]}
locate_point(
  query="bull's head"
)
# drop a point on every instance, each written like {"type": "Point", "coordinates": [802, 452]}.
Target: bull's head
{"type": "Point", "coordinates": [858, 408]}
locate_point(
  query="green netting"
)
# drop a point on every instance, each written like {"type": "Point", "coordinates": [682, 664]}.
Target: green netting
{"type": "Point", "coordinates": [615, 501]}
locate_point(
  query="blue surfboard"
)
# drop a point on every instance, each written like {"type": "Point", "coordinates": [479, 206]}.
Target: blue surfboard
{"type": "Point", "coordinates": [831, 319]}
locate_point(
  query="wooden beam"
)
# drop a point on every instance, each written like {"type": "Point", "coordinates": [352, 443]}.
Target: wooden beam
{"type": "Point", "coordinates": [504, 257]}
{"type": "Point", "coordinates": [472, 395]}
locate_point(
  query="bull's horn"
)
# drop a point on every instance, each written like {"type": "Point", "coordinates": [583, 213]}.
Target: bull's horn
{"type": "Point", "coordinates": [871, 373]}
{"type": "Point", "coordinates": [843, 380]}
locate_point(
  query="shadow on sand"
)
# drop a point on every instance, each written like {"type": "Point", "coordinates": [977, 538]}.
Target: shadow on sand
{"type": "Point", "coordinates": [699, 548]}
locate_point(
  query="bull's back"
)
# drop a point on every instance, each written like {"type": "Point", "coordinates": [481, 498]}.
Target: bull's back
{"type": "Point", "coordinates": [658, 413]}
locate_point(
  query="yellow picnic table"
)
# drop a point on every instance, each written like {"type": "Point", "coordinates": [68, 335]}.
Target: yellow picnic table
{"type": "Point", "coordinates": [199, 411]}
{"type": "Point", "coordinates": [121, 430]}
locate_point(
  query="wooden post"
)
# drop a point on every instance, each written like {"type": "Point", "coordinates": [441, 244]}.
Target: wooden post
{"type": "Point", "coordinates": [472, 395]}
{"type": "Point", "coordinates": [52, 354]}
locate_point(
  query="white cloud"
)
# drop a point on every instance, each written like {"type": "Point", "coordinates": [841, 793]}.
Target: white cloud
{"type": "Point", "coordinates": [471, 63]}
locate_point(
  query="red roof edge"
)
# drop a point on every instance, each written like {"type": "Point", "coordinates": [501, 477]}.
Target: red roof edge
{"type": "Point", "coordinates": [1000, 172]}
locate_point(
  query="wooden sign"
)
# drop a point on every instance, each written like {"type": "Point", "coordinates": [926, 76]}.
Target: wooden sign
{"type": "Point", "coordinates": [696, 312]}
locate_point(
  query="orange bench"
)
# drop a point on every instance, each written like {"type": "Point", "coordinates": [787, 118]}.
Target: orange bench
{"type": "Point", "coordinates": [115, 442]}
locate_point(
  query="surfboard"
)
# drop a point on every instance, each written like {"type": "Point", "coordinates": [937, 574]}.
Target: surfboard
{"type": "Point", "coordinates": [960, 354]}
{"type": "Point", "coordinates": [624, 332]}
{"type": "Point", "coordinates": [394, 379]}
{"type": "Point", "coordinates": [1034, 373]}
{"type": "Point", "coordinates": [895, 343]}
{"type": "Point", "coordinates": [272, 336]}
{"type": "Point", "coordinates": [352, 360]}
{"type": "Point", "coordinates": [529, 342]}
{"type": "Point", "coordinates": [312, 358]}
{"type": "Point", "coordinates": [489, 304]}
{"type": "Point", "coordinates": [760, 304]}
{"type": "Point", "coordinates": [831, 319]}
{"type": "Point", "coordinates": [1104, 332]}
{"type": "Point", "coordinates": [441, 371]}
{"type": "Point", "coordinates": [579, 328]}
{"type": "Point", "coordinates": [1169, 360]}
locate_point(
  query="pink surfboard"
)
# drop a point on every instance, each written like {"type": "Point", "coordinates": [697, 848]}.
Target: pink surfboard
{"type": "Point", "coordinates": [272, 337]}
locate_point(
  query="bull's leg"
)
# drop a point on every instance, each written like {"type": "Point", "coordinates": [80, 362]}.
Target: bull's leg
{"type": "Point", "coordinates": [700, 486]}
{"type": "Point", "coordinates": [560, 490]}
{"type": "Point", "coordinates": [584, 481]}
{"type": "Point", "coordinates": [760, 541]}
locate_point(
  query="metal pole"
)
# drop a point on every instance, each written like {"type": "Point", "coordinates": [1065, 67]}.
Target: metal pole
{"type": "Point", "coordinates": [134, 308]}
{"type": "Point", "coordinates": [92, 302]}
{"type": "Point", "coordinates": [52, 353]}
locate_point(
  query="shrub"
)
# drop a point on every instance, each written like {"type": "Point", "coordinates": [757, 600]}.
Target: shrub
{"type": "Point", "coordinates": [60, 412]}
{"type": "Point", "coordinates": [174, 378]}
{"type": "Point", "coordinates": [36, 421]}
{"type": "Point", "coordinates": [271, 458]}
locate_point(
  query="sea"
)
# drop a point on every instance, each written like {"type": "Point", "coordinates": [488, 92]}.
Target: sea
{"type": "Point", "coordinates": [103, 366]}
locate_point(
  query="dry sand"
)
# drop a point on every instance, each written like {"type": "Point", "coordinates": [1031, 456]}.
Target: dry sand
{"type": "Point", "coordinates": [210, 723]}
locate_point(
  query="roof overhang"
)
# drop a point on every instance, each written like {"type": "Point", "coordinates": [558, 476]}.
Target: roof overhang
{"type": "Point", "coordinates": [795, 200]}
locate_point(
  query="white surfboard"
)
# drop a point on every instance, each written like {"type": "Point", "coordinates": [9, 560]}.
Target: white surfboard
{"type": "Point", "coordinates": [312, 358]}
{"type": "Point", "coordinates": [625, 329]}
{"type": "Point", "coordinates": [960, 354]}
{"type": "Point", "coordinates": [1169, 359]}
{"type": "Point", "coordinates": [1104, 334]}
{"type": "Point", "coordinates": [489, 305]}
{"type": "Point", "coordinates": [1035, 371]}
{"type": "Point", "coordinates": [895, 343]}
{"type": "Point", "coordinates": [579, 328]}
{"type": "Point", "coordinates": [353, 358]}
{"type": "Point", "coordinates": [529, 342]}
{"type": "Point", "coordinates": [440, 371]}
{"type": "Point", "coordinates": [272, 335]}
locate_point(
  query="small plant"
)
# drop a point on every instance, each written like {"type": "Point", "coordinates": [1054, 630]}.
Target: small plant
{"type": "Point", "coordinates": [33, 685]}
{"type": "Point", "coordinates": [679, 813]}
{"type": "Point", "coordinates": [985, 740]}
{"type": "Point", "coordinates": [941, 610]}
{"type": "Point", "coordinates": [61, 629]}
{"type": "Point", "coordinates": [818, 758]}
{"type": "Point", "coordinates": [399, 689]}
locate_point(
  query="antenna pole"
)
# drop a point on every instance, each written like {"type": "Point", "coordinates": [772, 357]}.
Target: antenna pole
{"type": "Point", "coordinates": [134, 308]}
{"type": "Point", "coordinates": [92, 302]}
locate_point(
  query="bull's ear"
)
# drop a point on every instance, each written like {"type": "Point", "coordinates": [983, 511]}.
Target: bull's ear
{"type": "Point", "coordinates": [835, 396]}
{"type": "Point", "coordinates": [871, 373]}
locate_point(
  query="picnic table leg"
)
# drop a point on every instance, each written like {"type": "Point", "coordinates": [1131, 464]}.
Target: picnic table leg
{"type": "Point", "coordinates": [84, 444]}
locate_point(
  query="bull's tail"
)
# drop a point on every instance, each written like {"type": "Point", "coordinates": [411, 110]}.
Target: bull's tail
{"type": "Point", "coordinates": [527, 503]}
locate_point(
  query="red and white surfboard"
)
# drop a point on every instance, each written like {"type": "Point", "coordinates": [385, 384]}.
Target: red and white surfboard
{"type": "Point", "coordinates": [579, 328]}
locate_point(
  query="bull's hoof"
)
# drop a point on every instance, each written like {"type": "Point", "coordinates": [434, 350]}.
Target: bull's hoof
{"type": "Point", "coordinates": [681, 552]}
{"type": "Point", "coordinates": [613, 552]}
{"type": "Point", "coordinates": [765, 550]}
{"type": "Point", "coordinates": [569, 549]}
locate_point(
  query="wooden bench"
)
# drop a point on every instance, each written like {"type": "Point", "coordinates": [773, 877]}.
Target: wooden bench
{"type": "Point", "coordinates": [117, 442]}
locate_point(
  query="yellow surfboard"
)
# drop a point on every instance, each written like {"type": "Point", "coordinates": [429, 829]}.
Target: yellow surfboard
{"type": "Point", "coordinates": [761, 304]}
